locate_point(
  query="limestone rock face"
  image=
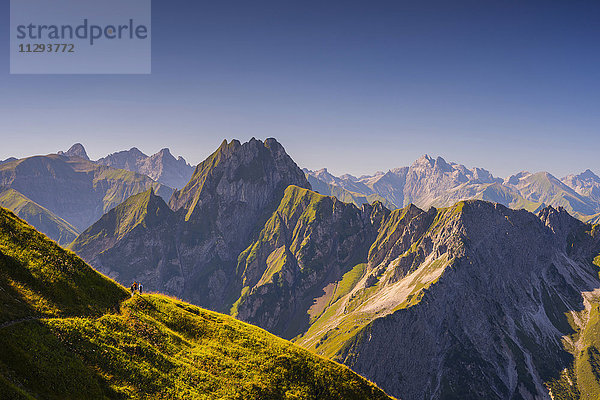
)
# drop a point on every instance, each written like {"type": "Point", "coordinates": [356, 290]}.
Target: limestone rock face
{"type": "Point", "coordinates": [428, 179]}
{"type": "Point", "coordinates": [586, 184]}
{"type": "Point", "coordinates": [163, 167]}
{"type": "Point", "coordinates": [77, 150]}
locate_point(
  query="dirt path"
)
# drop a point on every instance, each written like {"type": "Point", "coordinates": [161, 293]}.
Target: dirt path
{"type": "Point", "coordinates": [18, 321]}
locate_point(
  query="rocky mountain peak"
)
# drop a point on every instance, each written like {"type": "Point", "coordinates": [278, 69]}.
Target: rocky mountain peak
{"type": "Point", "coordinates": [514, 179]}
{"type": "Point", "coordinates": [559, 221]}
{"type": "Point", "coordinates": [251, 173]}
{"type": "Point", "coordinates": [134, 151]}
{"type": "Point", "coordinates": [589, 175]}
{"type": "Point", "coordinates": [424, 161]}
{"type": "Point", "coordinates": [442, 165]}
{"type": "Point", "coordinates": [77, 150]}
{"type": "Point", "coordinates": [8, 160]}
{"type": "Point", "coordinates": [162, 166]}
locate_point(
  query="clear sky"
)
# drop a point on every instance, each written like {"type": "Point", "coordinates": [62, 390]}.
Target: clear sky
{"type": "Point", "coordinates": [355, 86]}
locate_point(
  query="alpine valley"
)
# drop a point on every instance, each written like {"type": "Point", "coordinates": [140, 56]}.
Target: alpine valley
{"type": "Point", "coordinates": [474, 287]}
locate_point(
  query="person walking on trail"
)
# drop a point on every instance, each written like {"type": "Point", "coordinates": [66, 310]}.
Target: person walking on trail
{"type": "Point", "coordinates": [134, 288]}
{"type": "Point", "coordinates": [141, 288]}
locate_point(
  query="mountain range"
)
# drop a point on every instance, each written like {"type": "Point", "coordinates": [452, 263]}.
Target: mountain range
{"type": "Point", "coordinates": [470, 300]}
{"type": "Point", "coordinates": [63, 194]}
{"type": "Point", "coordinates": [68, 332]}
{"type": "Point", "coordinates": [434, 182]}
{"type": "Point", "coordinates": [162, 166]}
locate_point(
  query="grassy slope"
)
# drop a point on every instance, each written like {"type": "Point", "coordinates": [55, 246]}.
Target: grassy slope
{"type": "Point", "coordinates": [586, 369]}
{"type": "Point", "coordinates": [499, 193]}
{"type": "Point", "coordinates": [38, 216]}
{"type": "Point", "coordinates": [123, 219]}
{"type": "Point", "coordinates": [119, 184]}
{"type": "Point", "coordinates": [81, 340]}
{"type": "Point", "coordinates": [293, 240]}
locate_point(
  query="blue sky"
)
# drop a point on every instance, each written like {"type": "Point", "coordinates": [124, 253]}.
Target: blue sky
{"type": "Point", "coordinates": [355, 86]}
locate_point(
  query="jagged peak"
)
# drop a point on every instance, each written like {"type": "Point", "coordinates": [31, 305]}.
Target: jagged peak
{"type": "Point", "coordinates": [514, 179]}
{"type": "Point", "coordinates": [349, 177]}
{"type": "Point", "coordinates": [558, 220]}
{"type": "Point", "coordinates": [413, 208]}
{"type": "Point", "coordinates": [77, 150]}
{"type": "Point", "coordinates": [438, 163]}
{"type": "Point", "coordinates": [254, 163]}
{"type": "Point", "coordinates": [273, 143]}
{"type": "Point", "coordinates": [588, 175]}
{"type": "Point", "coordinates": [442, 165]}
{"type": "Point", "coordinates": [424, 161]}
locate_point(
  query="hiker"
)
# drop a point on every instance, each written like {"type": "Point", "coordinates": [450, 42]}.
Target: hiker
{"type": "Point", "coordinates": [132, 289]}
{"type": "Point", "coordinates": [141, 288]}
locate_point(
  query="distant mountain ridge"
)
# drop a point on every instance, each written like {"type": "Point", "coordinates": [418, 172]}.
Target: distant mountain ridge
{"type": "Point", "coordinates": [68, 191]}
{"type": "Point", "coordinates": [162, 166]}
{"type": "Point", "coordinates": [434, 182]}
{"type": "Point", "coordinates": [39, 188]}
{"type": "Point", "coordinates": [45, 220]}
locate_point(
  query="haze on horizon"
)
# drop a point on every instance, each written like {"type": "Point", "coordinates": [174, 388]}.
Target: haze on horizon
{"type": "Point", "coordinates": [352, 86]}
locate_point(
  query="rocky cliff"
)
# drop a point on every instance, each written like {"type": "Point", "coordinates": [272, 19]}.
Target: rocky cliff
{"type": "Point", "coordinates": [162, 166]}
{"type": "Point", "coordinates": [77, 150]}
